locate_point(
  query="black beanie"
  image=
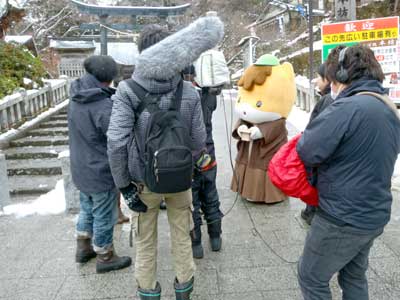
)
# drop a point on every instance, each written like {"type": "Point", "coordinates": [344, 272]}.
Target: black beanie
{"type": "Point", "coordinates": [103, 67]}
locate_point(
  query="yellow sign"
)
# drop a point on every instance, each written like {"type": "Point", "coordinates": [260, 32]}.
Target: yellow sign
{"type": "Point", "coordinates": [358, 36]}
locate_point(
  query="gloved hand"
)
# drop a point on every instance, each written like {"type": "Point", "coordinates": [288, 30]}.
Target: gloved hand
{"type": "Point", "coordinates": [132, 199]}
{"type": "Point", "coordinates": [204, 160]}
{"type": "Point", "coordinates": [241, 129]}
{"type": "Point", "coordinates": [255, 133]}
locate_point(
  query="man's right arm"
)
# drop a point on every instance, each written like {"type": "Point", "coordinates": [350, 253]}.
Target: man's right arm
{"type": "Point", "coordinates": [118, 135]}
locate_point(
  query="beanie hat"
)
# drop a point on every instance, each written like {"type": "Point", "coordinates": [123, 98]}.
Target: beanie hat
{"type": "Point", "coordinates": [103, 67]}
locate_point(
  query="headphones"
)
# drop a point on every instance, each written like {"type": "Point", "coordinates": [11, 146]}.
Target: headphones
{"type": "Point", "coordinates": [342, 76]}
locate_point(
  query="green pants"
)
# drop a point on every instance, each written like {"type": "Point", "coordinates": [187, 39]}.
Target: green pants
{"type": "Point", "coordinates": [180, 222]}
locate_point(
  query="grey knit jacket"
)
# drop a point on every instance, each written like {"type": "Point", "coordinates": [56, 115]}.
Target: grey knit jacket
{"type": "Point", "coordinates": [123, 154]}
{"type": "Point", "coordinates": [158, 70]}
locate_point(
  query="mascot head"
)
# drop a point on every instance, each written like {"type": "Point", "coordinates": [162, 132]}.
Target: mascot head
{"type": "Point", "coordinates": [267, 91]}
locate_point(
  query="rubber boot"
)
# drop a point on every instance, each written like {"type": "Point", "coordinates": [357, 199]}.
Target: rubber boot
{"type": "Point", "coordinates": [214, 231]}
{"type": "Point", "coordinates": [84, 250]}
{"type": "Point", "coordinates": [163, 205]}
{"type": "Point", "coordinates": [183, 290]}
{"type": "Point", "coordinates": [197, 248]}
{"type": "Point", "coordinates": [147, 294]}
{"type": "Point", "coordinates": [109, 261]}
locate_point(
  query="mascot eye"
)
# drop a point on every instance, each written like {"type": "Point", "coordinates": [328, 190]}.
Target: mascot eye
{"type": "Point", "coordinates": [259, 103]}
{"type": "Point", "coordinates": [238, 101]}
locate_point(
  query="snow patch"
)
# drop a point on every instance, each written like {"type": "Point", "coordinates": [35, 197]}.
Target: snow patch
{"type": "Point", "coordinates": [52, 203]}
{"type": "Point", "coordinates": [64, 153]}
{"type": "Point", "coordinates": [27, 81]}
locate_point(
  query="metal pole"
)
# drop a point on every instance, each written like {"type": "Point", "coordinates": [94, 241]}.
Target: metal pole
{"type": "Point", "coordinates": [103, 35]}
{"type": "Point", "coordinates": [311, 47]}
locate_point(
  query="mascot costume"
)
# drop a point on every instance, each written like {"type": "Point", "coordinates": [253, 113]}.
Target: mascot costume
{"type": "Point", "coordinates": [267, 93]}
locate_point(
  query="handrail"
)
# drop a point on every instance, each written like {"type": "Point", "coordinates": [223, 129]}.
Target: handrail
{"type": "Point", "coordinates": [25, 105]}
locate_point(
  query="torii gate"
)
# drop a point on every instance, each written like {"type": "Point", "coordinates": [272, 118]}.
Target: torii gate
{"type": "Point", "coordinates": [104, 11]}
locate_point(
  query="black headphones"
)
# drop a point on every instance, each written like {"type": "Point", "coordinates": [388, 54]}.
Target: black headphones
{"type": "Point", "coordinates": [342, 76]}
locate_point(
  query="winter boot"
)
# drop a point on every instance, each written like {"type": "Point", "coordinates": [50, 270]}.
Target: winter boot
{"type": "Point", "coordinates": [183, 290]}
{"type": "Point", "coordinates": [163, 205]}
{"type": "Point", "coordinates": [147, 294]}
{"type": "Point", "coordinates": [197, 248]}
{"type": "Point", "coordinates": [84, 250]}
{"type": "Point", "coordinates": [214, 231]}
{"type": "Point", "coordinates": [109, 261]}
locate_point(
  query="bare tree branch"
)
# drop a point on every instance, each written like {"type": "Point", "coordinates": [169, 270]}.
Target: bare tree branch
{"type": "Point", "coordinates": [42, 32]}
{"type": "Point", "coordinates": [37, 31]}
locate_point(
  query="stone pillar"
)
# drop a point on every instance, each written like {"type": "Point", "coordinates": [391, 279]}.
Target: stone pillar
{"type": "Point", "coordinates": [5, 189]}
{"type": "Point", "coordinates": [70, 191]}
{"type": "Point", "coordinates": [103, 35]}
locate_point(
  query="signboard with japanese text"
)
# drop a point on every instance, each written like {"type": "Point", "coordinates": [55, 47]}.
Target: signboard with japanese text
{"type": "Point", "coordinates": [345, 10]}
{"type": "Point", "coordinates": [381, 35]}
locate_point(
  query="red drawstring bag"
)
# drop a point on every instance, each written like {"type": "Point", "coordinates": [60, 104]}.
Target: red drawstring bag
{"type": "Point", "coordinates": [287, 172]}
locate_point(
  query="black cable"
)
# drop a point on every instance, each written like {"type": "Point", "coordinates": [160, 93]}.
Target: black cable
{"type": "Point", "coordinates": [236, 178]}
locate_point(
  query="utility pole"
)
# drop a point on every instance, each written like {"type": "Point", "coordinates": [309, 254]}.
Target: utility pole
{"type": "Point", "coordinates": [311, 47]}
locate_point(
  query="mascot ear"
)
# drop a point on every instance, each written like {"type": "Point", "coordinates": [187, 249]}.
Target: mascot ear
{"type": "Point", "coordinates": [254, 75]}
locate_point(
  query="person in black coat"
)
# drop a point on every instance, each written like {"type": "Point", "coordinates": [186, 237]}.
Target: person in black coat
{"type": "Point", "coordinates": [324, 90]}
{"type": "Point", "coordinates": [204, 187]}
{"type": "Point", "coordinates": [354, 144]}
{"type": "Point", "coordinates": [88, 119]}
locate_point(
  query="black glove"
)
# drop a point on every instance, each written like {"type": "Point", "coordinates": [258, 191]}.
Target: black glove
{"type": "Point", "coordinates": [132, 199]}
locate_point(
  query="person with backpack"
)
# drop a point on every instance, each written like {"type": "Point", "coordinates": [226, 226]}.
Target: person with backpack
{"type": "Point", "coordinates": [88, 118]}
{"type": "Point", "coordinates": [354, 144]}
{"type": "Point", "coordinates": [156, 129]}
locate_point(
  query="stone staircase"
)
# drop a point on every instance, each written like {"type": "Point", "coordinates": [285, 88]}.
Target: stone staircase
{"type": "Point", "coordinates": [33, 166]}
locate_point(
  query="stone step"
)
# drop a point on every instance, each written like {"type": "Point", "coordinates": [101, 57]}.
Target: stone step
{"type": "Point", "coordinates": [63, 131]}
{"type": "Point", "coordinates": [16, 198]}
{"type": "Point", "coordinates": [51, 166]}
{"type": "Point", "coordinates": [40, 141]}
{"type": "Point", "coordinates": [34, 152]}
{"type": "Point", "coordinates": [51, 124]}
{"type": "Point", "coordinates": [59, 118]}
{"type": "Point", "coordinates": [32, 185]}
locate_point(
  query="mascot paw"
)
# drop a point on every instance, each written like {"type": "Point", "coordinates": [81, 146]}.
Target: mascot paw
{"type": "Point", "coordinates": [255, 133]}
{"type": "Point", "coordinates": [242, 130]}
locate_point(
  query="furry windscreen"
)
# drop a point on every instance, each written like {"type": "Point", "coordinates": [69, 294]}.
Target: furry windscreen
{"type": "Point", "coordinates": [169, 57]}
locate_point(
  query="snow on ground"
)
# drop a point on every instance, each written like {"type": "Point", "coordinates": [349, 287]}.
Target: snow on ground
{"type": "Point", "coordinates": [51, 203]}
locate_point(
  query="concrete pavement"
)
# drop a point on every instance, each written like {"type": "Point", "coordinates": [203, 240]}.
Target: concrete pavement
{"type": "Point", "coordinates": [261, 246]}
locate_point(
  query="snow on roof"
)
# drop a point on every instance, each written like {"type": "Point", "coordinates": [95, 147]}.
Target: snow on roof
{"type": "Point", "coordinates": [3, 7]}
{"type": "Point", "coordinates": [20, 39]}
{"type": "Point", "coordinates": [72, 44]}
{"type": "Point", "coordinates": [123, 53]}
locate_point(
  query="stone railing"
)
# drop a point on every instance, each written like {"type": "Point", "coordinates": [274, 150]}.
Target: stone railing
{"type": "Point", "coordinates": [305, 94]}
{"type": "Point", "coordinates": [25, 105]}
{"type": "Point", "coordinates": [72, 70]}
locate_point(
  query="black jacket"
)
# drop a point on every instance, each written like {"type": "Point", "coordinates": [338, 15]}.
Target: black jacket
{"type": "Point", "coordinates": [324, 102]}
{"type": "Point", "coordinates": [354, 143]}
{"type": "Point", "coordinates": [208, 105]}
{"type": "Point", "coordinates": [88, 118]}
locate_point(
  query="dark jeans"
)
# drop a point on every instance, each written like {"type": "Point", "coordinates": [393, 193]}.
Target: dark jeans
{"type": "Point", "coordinates": [330, 248]}
{"type": "Point", "coordinates": [97, 216]}
{"type": "Point", "coordinates": [205, 197]}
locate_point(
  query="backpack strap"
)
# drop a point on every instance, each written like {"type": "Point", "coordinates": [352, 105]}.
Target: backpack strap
{"type": "Point", "coordinates": [385, 99]}
{"type": "Point", "coordinates": [147, 100]}
{"type": "Point", "coordinates": [177, 100]}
